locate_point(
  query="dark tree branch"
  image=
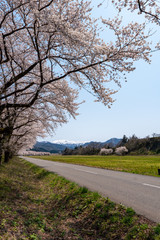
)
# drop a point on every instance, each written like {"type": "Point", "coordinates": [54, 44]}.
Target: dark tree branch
{"type": "Point", "coordinates": [148, 13]}
{"type": "Point", "coordinates": [17, 91]}
{"type": "Point", "coordinates": [47, 5]}
{"type": "Point", "coordinates": [16, 78]}
{"type": "Point", "coordinates": [12, 10]}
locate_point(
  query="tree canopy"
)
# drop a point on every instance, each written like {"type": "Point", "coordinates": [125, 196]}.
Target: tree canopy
{"type": "Point", "coordinates": [49, 49]}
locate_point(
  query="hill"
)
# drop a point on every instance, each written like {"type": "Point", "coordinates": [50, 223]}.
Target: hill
{"type": "Point", "coordinates": [48, 147]}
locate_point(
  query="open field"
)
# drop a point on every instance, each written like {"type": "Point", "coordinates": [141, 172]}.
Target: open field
{"type": "Point", "coordinates": [146, 165]}
{"type": "Point", "coordinates": [38, 205]}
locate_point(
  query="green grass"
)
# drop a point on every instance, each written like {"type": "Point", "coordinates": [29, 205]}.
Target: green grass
{"type": "Point", "coordinates": [146, 165]}
{"type": "Point", "coordinates": [39, 205]}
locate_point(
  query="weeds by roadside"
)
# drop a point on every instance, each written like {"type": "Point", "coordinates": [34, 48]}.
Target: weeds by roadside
{"type": "Point", "coordinates": [38, 205]}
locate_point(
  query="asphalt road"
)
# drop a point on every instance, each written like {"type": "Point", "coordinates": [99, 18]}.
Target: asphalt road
{"type": "Point", "coordinates": [140, 192]}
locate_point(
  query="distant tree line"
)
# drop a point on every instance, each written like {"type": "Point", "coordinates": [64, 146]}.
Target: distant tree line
{"type": "Point", "coordinates": [133, 144]}
{"type": "Point", "coordinates": [147, 145]}
{"type": "Point", "coordinates": [87, 150]}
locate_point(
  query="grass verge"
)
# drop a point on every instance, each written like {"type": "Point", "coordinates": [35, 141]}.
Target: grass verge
{"type": "Point", "coordinates": [146, 165]}
{"type": "Point", "coordinates": [38, 205]}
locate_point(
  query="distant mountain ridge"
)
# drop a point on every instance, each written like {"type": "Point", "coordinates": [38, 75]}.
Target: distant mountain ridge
{"type": "Point", "coordinates": [60, 147]}
{"type": "Point", "coordinates": [112, 142]}
{"type": "Point", "coordinates": [48, 147]}
{"type": "Point", "coordinates": [65, 142]}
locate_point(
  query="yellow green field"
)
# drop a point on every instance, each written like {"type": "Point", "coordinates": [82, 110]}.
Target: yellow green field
{"type": "Point", "coordinates": [146, 165]}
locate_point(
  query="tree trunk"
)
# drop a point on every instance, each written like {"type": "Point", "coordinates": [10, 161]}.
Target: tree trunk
{"type": "Point", "coordinates": [6, 156]}
{"type": "Point", "coordinates": [1, 151]}
{"type": "Point", "coordinates": [0, 155]}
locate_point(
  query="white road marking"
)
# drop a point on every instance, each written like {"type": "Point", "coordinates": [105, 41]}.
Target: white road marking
{"type": "Point", "coordinates": [146, 184]}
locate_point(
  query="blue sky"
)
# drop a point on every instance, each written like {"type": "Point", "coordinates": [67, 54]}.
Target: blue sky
{"type": "Point", "coordinates": [135, 111]}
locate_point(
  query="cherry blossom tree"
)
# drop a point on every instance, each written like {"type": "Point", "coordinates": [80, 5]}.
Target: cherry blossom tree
{"type": "Point", "coordinates": [23, 138]}
{"type": "Point", "coordinates": [105, 151]}
{"type": "Point", "coordinates": [48, 47]}
{"type": "Point", "coordinates": [121, 150]}
{"type": "Point", "coordinates": [46, 41]}
{"type": "Point", "coordinates": [49, 111]}
{"type": "Point", "coordinates": [150, 8]}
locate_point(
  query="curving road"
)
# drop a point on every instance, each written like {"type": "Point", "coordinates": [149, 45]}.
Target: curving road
{"type": "Point", "coordinates": [140, 192]}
